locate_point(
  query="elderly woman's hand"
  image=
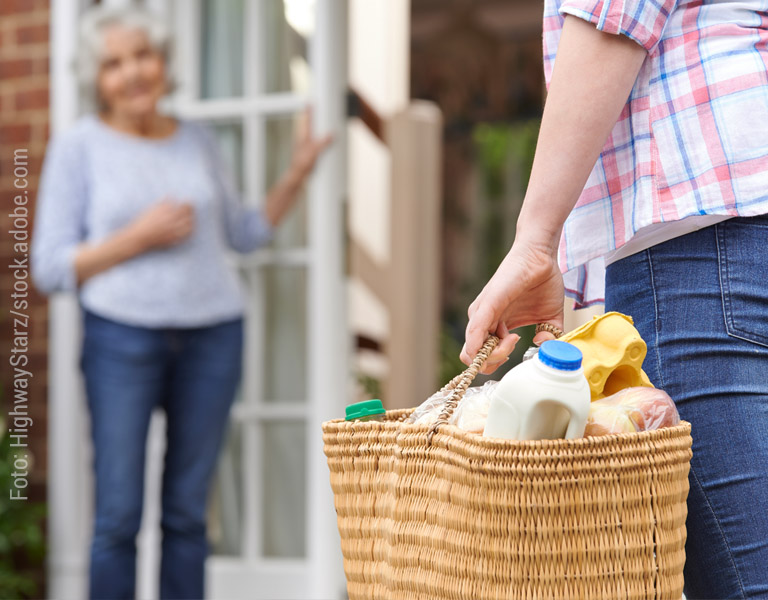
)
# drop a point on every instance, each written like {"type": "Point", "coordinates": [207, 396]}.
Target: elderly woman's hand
{"type": "Point", "coordinates": [307, 148]}
{"type": "Point", "coordinates": [527, 288]}
{"type": "Point", "coordinates": [167, 223]}
{"type": "Point", "coordinates": [164, 224]}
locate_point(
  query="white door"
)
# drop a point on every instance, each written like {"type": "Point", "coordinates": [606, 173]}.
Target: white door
{"type": "Point", "coordinates": [250, 67]}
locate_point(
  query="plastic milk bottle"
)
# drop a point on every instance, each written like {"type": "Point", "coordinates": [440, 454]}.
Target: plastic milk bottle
{"type": "Point", "coordinates": [546, 397]}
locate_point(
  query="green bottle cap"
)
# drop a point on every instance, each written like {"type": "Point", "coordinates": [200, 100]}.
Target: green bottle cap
{"type": "Point", "coordinates": [364, 409]}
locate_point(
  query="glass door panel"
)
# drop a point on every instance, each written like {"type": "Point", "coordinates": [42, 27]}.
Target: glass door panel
{"type": "Point", "coordinates": [230, 139]}
{"type": "Point", "coordinates": [285, 371]}
{"type": "Point", "coordinates": [225, 518]}
{"type": "Point", "coordinates": [280, 136]}
{"type": "Point", "coordinates": [222, 48]}
{"type": "Point", "coordinates": [284, 489]}
{"type": "Point", "coordinates": [288, 25]}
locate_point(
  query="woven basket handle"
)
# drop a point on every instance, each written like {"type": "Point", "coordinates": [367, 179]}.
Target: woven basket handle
{"type": "Point", "coordinates": [463, 380]}
{"type": "Point", "coordinates": [460, 383]}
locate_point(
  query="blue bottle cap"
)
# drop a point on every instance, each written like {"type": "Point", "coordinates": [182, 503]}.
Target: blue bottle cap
{"type": "Point", "coordinates": [560, 355]}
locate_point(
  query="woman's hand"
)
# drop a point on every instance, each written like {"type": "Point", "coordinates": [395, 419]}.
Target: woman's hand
{"type": "Point", "coordinates": [164, 224]}
{"type": "Point", "coordinates": [167, 223]}
{"type": "Point", "coordinates": [527, 288]}
{"type": "Point", "coordinates": [307, 149]}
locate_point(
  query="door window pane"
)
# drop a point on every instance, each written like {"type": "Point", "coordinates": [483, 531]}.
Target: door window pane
{"type": "Point", "coordinates": [288, 25]}
{"type": "Point", "coordinates": [285, 325]}
{"type": "Point", "coordinates": [285, 489]}
{"type": "Point", "coordinates": [222, 23]}
{"type": "Point", "coordinates": [230, 139]}
{"type": "Point", "coordinates": [225, 516]}
{"type": "Point", "coordinates": [280, 137]}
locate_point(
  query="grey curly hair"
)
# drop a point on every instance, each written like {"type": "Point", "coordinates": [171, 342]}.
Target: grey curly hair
{"type": "Point", "coordinates": [90, 44]}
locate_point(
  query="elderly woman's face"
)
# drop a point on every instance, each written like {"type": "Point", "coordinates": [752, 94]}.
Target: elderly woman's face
{"type": "Point", "coordinates": [132, 73]}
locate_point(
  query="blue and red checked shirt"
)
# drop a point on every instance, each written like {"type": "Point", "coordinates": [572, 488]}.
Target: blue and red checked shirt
{"type": "Point", "coordinates": [693, 137]}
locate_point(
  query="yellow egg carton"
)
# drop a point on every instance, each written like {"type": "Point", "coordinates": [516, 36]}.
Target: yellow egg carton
{"type": "Point", "coordinates": [613, 354]}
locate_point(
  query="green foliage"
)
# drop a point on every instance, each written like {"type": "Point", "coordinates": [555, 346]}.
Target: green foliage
{"type": "Point", "coordinates": [499, 142]}
{"type": "Point", "coordinates": [371, 385]}
{"type": "Point", "coordinates": [503, 156]}
{"type": "Point", "coordinates": [450, 364]}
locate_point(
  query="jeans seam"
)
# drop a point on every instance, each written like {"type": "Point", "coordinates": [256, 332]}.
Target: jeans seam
{"type": "Point", "coordinates": [720, 529]}
{"type": "Point", "coordinates": [655, 317]}
{"type": "Point", "coordinates": [725, 292]}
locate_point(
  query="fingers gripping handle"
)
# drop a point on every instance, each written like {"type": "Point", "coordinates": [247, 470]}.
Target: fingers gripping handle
{"type": "Point", "coordinates": [461, 382]}
{"type": "Point", "coordinates": [549, 328]}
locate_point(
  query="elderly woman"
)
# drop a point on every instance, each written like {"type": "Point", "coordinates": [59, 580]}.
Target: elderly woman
{"type": "Point", "coordinates": [137, 213]}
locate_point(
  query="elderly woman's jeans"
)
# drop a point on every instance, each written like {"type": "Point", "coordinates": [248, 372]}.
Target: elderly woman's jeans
{"type": "Point", "coordinates": [192, 374]}
{"type": "Point", "coordinates": [700, 301]}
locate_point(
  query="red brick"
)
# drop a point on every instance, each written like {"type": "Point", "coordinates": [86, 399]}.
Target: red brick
{"type": "Point", "coordinates": [15, 133]}
{"type": "Point", "coordinates": [13, 7]}
{"type": "Point", "coordinates": [39, 133]}
{"type": "Point", "coordinates": [32, 99]}
{"type": "Point", "coordinates": [32, 34]}
{"type": "Point", "coordinates": [11, 68]}
{"type": "Point", "coordinates": [44, 6]}
{"type": "Point", "coordinates": [6, 101]}
{"type": "Point", "coordinates": [41, 66]}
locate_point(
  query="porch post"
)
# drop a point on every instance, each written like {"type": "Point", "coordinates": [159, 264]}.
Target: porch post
{"type": "Point", "coordinates": [329, 335]}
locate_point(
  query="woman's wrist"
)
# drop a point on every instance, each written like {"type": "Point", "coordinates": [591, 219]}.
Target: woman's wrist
{"type": "Point", "coordinates": [536, 231]}
{"type": "Point", "coordinates": [92, 259]}
{"type": "Point", "coordinates": [134, 240]}
{"type": "Point", "coordinates": [282, 196]}
{"type": "Point", "coordinates": [295, 176]}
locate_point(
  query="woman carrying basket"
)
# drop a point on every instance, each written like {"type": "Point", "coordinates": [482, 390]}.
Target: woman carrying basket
{"type": "Point", "coordinates": [651, 177]}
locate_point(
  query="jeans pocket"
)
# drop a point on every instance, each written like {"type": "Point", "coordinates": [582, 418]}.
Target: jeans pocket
{"type": "Point", "coordinates": [742, 246]}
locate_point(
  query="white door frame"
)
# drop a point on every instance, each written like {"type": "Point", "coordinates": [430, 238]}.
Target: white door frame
{"type": "Point", "coordinates": [329, 336]}
{"type": "Point", "coordinates": [69, 478]}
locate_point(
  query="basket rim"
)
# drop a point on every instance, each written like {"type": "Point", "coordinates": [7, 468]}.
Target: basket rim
{"type": "Point", "coordinates": [393, 423]}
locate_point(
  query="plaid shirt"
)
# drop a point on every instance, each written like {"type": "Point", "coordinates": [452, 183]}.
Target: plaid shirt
{"type": "Point", "coordinates": [693, 136]}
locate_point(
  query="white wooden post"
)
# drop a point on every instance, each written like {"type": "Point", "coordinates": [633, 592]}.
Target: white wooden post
{"type": "Point", "coordinates": [329, 338]}
{"type": "Point", "coordinates": [69, 485]}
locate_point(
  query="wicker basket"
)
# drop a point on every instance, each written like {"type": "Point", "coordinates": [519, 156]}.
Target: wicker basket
{"type": "Point", "coordinates": [436, 512]}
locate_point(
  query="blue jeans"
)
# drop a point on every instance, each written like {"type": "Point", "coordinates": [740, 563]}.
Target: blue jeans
{"type": "Point", "coordinates": [700, 301]}
{"type": "Point", "coordinates": [192, 374]}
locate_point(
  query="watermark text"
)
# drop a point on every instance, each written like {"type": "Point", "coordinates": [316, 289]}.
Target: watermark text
{"type": "Point", "coordinates": [19, 422]}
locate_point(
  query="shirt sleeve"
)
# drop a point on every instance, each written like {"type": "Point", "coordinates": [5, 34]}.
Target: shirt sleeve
{"type": "Point", "coordinates": [641, 20]}
{"type": "Point", "coordinates": [59, 216]}
{"type": "Point", "coordinates": [247, 228]}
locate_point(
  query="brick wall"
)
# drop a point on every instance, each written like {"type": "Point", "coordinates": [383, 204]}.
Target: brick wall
{"type": "Point", "coordinates": [24, 127]}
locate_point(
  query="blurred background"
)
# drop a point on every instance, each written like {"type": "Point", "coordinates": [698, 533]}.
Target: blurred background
{"type": "Point", "coordinates": [363, 293]}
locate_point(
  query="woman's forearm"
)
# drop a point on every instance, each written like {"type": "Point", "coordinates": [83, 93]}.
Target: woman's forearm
{"type": "Point", "coordinates": [307, 150]}
{"type": "Point", "coordinates": [593, 76]}
{"type": "Point", "coordinates": [92, 259]}
{"type": "Point", "coordinates": [282, 195]}
{"type": "Point", "coordinates": [165, 223]}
